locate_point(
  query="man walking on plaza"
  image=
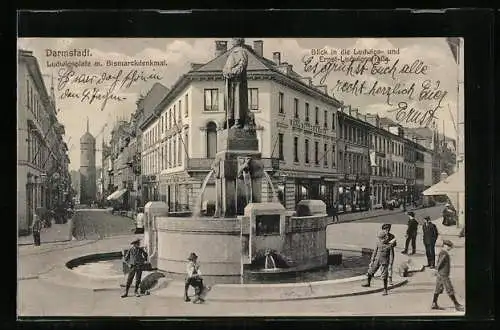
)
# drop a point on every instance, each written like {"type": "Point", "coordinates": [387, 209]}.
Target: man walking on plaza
{"type": "Point", "coordinates": [430, 235]}
{"type": "Point", "coordinates": [36, 228]}
{"type": "Point", "coordinates": [381, 258]}
{"type": "Point", "coordinates": [135, 257]}
{"type": "Point", "coordinates": [411, 234]}
{"type": "Point", "coordinates": [335, 212]}
{"type": "Point", "coordinates": [443, 277]}
{"type": "Point", "coordinates": [392, 241]}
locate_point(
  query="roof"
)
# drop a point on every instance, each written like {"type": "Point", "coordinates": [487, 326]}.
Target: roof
{"type": "Point", "coordinates": [87, 137]}
{"type": "Point", "coordinates": [256, 65]}
{"type": "Point", "coordinates": [36, 74]}
{"type": "Point", "coordinates": [455, 183]}
{"type": "Point", "coordinates": [149, 102]}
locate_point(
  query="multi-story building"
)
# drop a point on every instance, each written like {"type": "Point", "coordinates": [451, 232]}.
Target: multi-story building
{"type": "Point", "coordinates": [354, 161]}
{"type": "Point", "coordinates": [42, 164]}
{"type": "Point", "coordinates": [88, 191]}
{"type": "Point", "coordinates": [179, 141]}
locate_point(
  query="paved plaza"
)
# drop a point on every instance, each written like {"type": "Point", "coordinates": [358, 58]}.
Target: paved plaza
{"type": "Point", "coordinates": [39, 297]}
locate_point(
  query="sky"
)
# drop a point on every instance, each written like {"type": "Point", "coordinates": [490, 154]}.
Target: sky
{"type": "Point", "coordinates": [442, 71]}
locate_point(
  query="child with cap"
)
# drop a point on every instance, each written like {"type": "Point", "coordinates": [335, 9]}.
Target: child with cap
{"type": "Point", "coordinates": [194, 279]}
{"type": "Point", "coordinates": [381, 258]}
{"type": "Point", "coordinates": [443, 277]}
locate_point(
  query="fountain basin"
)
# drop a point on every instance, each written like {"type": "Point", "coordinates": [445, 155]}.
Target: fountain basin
{"type": "Point", "coordinates": [100, 265]}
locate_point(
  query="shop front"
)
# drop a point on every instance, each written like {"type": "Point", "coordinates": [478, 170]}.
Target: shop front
{"type": "Point", "coordinates": [353, 193]}
{"type": "Point", "coordinates": [149, 189]}
{"type": "Point", "coordinates": [328, 192]}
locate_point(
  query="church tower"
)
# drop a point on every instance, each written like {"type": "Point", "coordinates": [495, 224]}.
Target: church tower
{"type": "Point", "coordinates": [87, 168]}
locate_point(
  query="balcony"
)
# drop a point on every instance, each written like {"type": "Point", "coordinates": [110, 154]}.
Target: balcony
{"type": "Point", "coordinates": [199, 164]}
{"type": "Point", "coordinates": [204, 164]}
{"type": "Point", "coordinates": [271, 164]}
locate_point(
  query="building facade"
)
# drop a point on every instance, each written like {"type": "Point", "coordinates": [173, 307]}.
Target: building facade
{"type": "Point", "coordinates": [42, 163]}
{"type": "Point", "coordinates": [312, 146]}
{"type": "Point", "coordinates": [179, 141]}
{"type": "Point", "coordinates": [354, 160]}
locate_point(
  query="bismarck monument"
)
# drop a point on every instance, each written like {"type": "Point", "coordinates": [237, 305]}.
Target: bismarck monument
{"type": "Point", "coordinates": [243, 229]}
{"type": "Point", "coordinates": [237, 168]}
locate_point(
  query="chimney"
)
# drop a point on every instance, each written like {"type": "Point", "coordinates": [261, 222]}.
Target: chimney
{"type": "Point", "coordinates": [277, 58]}
{"type": "Point", "coordinates": [322, 88]}
{"type": "Point", "coordinates": [258, 47]}
{"type": "Point", "coordinates": [220, 47]}
{"type": "Point", "coordinates": [306, 80]}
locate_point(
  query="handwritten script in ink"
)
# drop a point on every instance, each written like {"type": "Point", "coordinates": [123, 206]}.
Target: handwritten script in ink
{"type": "Point", "coordinates": [103, 87]}
{"type": "Point", "coordinates": [397, 83]}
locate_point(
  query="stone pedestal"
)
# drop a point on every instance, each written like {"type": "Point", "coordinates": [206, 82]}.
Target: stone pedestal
{"type": "Point", "coordinates": [238, 171]}
{"type": "Point", "coordinates": [151, 211]}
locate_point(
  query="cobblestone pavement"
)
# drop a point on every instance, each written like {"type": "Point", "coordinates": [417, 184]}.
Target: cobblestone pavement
{"type": "Point", "coordinates": [99, 223]}
{"type": "Point", "coordinates": [54, 234]}
{"type": "Point", "coordinates": [40, 298]}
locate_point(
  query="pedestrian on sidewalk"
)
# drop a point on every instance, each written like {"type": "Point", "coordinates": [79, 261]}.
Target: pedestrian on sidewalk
{"type": "Point", "coordinates": [36, 227]}
{"type": "Point", "coordinates": [193, 279]}
{"type": "Point", "coordinates": [381, 258]}
{"type": "Point", "coordinates": [443, 277]}
{"type": "Point", "coordinates": [335, 212]}
{"type": "Point", "coordinates": [430, 235]}
{"type": "Point", "coordinates": [411, 234]}
{"type": "Point", "coordinates": [135, 258]}
{"type": "Point", "coordinates": [392, 241]}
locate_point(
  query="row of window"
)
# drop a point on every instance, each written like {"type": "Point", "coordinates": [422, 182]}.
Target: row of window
{"type": "Point", "coordinates": [35, 105]}
{"type": "Point", "coordinates": [396, 169]}
{"type": "Point", "coordinates": [353, 134]}
{"type": "Point", "coordinates": [167, 155]}
{"type": "Point", "coordinates": [352, 163]}
{"type": "Point", "coordinates": [307, 114]}
{"type": "Point", "coordinates": [321, 154]}
{"type": "Point", "coordinates": [211, 99]}
{"type": "Point", "coordinates": [37, 151]}
{"type": "Point", "coordinates": [167, 121]}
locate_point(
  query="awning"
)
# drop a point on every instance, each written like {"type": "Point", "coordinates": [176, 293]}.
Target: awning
{"type": "Point", "coordinates": [455, 183]}
{"type": "Point", "coordinates": [117, 194]}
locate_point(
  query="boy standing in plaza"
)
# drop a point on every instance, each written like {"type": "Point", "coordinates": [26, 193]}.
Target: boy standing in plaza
{"type": "Point", "coordinates": [443, 277]}
{"type": "Point", "coordinates": [381, 258]}
{"type": "Point", "coordinates": [392, 241]}
{"type": "Point", "coordinates": [135, 257]}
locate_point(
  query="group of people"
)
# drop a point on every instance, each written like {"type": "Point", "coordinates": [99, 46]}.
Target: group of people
{"type": "Point", "coordinates": [383, 257]}
{"type": "Point", "coordinates": [136, 259]}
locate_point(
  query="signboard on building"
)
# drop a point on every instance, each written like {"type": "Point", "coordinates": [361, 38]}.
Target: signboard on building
{"type": "Point", "coordinates": [359, 150]}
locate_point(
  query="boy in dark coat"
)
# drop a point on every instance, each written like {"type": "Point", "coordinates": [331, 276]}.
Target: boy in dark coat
{"type": "Point", "coordinates": [135, 257]}
{"type": "Point", "coordinates": [443, 277]}
{"type": "Point", "coordinates": [381, 258]}
{"type": "Point", "coordinates": [430, 235]}
{"type": "Point", "coordinates": [411, 234]}
{"type": "Point", "coordinates": [193, 279]}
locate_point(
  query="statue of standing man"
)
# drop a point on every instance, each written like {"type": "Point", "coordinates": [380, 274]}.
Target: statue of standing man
{"type": "Point", "coordinates": [236, 90]}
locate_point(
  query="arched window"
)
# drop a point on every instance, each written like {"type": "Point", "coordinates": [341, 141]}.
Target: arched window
{"type": "Point", "coordinates": [211, 140]}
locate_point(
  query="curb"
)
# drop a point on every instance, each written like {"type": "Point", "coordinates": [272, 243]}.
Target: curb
{"type": "Point", "coordinates": [371, 216]}
{"type": "Point", "coordinates": [50, 242]}
{"type": "Point", "coordinates": [341, 295]}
